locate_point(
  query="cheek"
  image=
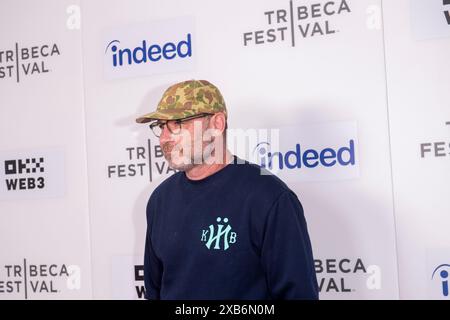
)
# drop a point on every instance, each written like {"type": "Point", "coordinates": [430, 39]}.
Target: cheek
{"type": "Point", "coordinates": [187, 137]}
{"type": "Point", "coordinates": [179, 141]}
{"type": "Point", "coordinates": [166, 136]}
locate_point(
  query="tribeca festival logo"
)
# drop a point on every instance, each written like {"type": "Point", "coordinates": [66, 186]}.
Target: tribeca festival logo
{"type": "Point", "coordinates": [440, 274]}
{"type": "Point", "coordinates": [334, 274]}
{"type": "Point", "coordinates": [297, 22]}
{"type": "Point", "coordinates": [216, 234]}
{"type": "Point", "coordinates": [141, 161]}
{"type": "Point", "coordinates": [19, 61]}
{"type": "Point", "coordinates": [152, 48]}
{"type": "Point", "coordinates": [435, 149]}
{"type": "Point", "coordinates": [29, 279]}
{"type": "Point", "coordinates": [149, 161]}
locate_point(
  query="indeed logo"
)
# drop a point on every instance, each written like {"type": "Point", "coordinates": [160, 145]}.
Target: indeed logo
{"type": "Point", "coordinates": [441, 272]}
{"type": "Point", "coordinates": [149, 52]}
{"type": "Point", "coordinates": [132, 51]}
{"type": "Point", "coordinates": [309, 158]}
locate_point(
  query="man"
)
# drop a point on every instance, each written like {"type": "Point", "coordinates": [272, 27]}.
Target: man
{"type": "Point", "coordinates": [219, 228]}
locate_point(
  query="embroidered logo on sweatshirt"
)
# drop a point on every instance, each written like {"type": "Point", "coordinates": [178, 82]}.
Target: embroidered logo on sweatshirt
{"type": "Point", "coordinates": [219, 234]}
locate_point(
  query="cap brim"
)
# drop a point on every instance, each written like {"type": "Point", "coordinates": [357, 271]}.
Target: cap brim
{"type": "Point", "coordinates": [160, 115]}
{"type": "Point", "coordinates": [167, 114]}
{"type": "Point", "coordinates": [150, 116]}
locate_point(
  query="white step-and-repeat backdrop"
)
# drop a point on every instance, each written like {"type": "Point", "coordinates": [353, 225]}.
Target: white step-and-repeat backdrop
{"type": "Point", "coordinates": [362, 85]}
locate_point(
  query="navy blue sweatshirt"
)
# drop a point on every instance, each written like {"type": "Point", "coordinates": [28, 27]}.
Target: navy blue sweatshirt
{"type": "Point", "coordinates": [236, 234]}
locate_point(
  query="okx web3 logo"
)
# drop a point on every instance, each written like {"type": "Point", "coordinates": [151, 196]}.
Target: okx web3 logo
{"type": "Point", "coordinates": [32, 173]}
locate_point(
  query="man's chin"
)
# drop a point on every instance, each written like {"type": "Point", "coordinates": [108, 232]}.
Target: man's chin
{"type": "Point", "coordinates": [179, 165]}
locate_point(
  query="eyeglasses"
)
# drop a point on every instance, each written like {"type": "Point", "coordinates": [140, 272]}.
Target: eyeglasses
{"type": "Point", "coordinates": [174, 126]}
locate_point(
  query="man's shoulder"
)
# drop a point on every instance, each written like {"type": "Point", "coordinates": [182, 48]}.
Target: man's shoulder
{"type": "Point", "coordinates": [260, 179]}
{"type": "Point", "coordinates": [167, 184]}
{"type": "Point", "coordinates": [262, 189]}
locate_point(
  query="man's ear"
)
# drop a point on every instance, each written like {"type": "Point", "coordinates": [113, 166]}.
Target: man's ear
{"type": "Point", "coordinates": [219, 121]}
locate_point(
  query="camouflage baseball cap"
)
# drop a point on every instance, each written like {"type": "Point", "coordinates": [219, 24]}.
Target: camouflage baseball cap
{"type": "Point", "coordinates": [185, 99]}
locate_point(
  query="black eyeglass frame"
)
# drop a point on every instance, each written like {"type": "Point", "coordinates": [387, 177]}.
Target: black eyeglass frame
{"type": "Point", "coordinates": [161, 124]}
